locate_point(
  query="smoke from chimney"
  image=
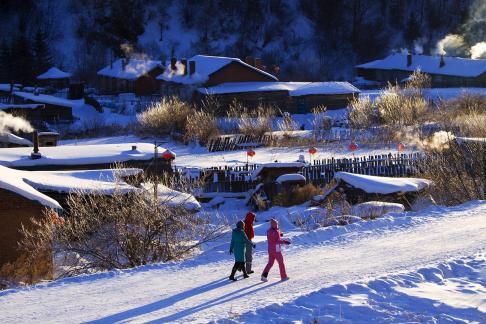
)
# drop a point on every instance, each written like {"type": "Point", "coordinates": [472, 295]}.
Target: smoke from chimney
{"type": "Point", "coordinates": [11, 123]}
{"type": "Point", "coordinates": [184, 66]}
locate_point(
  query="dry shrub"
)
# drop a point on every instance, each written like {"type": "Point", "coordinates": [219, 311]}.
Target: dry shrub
{"type": "Point", "coordinates": [287, 124]}
{"type": "Point", "coordinates": [458, 172]}
{"type": "Point", "coordinates": [121, 231]}
{"type": "Point", "coordinates": [256, 122]}
{"type": "Point", "coordinates": [399, 107]}
{"type": "Point", "coordinates": [165, 117]}
{"type": "Point", "coordinates": [417, 82]}
{"type": "Point", "coordinates": [363, 113]}
{"type": "Point", "coordinates": [201, 126]}
{"type": "Point", "coordinates": [297, 195]}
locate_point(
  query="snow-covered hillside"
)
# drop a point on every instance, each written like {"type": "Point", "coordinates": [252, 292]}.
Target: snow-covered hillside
{"type": "Point", "coordinates": [426, 266]}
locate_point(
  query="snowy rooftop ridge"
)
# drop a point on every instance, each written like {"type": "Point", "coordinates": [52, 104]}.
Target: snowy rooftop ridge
{"type": "Point", "coordinates": [295, 89]}
{"type": "Point", "coordinates": [134, 68]}
{"type": "Point", "coordinates": [79, 154]}
{"type": "Point", "coordinates": [382, 185]}
{"type": "Point", "coordinates": [48, 99]}
{"type": "Point", "coordinates": [14, 139]}
{"type": "Point", "coordinates": [454, 66]}
{"type": "Point", "coordinates": [205, 66]}
{"type": "Point", "coordinates": [271, 165]}
{"type": "Point", "coordinates": [54, 73]}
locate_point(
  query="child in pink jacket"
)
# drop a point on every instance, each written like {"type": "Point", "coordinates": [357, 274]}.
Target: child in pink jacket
{"type": "Point", "coordinates": [274, 250]}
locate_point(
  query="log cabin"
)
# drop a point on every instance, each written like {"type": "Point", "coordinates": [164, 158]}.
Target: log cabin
{"type": "Point", "coordinates": [444, 71]}
{"type": "Point", "coordinates": [54, 78]}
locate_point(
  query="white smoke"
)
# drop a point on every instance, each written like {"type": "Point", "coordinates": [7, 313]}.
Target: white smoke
{"type": "Point", "coordinates": [452, 45]}
{"type": "Point", "coordinates": [11, 123]}
{"type": "Point", "coordinates": [478, 51]}
{"type": "Point", "coordinates": [436, 142]}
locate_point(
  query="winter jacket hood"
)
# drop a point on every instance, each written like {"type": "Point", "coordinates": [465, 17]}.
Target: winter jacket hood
{"type": "Point", "coordinates": [249, 219]}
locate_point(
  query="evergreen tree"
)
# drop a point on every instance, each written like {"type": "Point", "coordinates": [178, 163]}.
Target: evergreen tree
{"type": "Point", "coordinates": [5, 62]}
{"type": "Point", "coordinates": [42, 59]}
{"type": "Point", "coordinates": [412, 30]}
{"type": "Point", "coordinates": [21, 62]}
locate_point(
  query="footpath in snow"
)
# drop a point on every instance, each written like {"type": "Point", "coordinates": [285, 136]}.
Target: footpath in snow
{"type": "Point", "coordinates": [380, 270]}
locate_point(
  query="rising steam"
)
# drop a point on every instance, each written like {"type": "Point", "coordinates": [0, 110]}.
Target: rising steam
{"type": "Point", "coordinates": [12, 123]}
{"type": "Point", "coordinates": [453, 45]}
{"type": "Point", "coordinates": [478, 51]}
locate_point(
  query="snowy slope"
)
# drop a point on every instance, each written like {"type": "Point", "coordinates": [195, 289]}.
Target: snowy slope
{"type": "Point", "coordinates": [325, 262]}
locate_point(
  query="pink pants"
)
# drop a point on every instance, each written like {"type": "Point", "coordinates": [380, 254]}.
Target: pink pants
{"type": "Point", "coordinates": [280, 261]}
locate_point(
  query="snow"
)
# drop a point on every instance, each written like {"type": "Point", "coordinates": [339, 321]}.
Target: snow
{"type": "Point", "coordinates": [174, 198]}
{"type": "Point", "coordinates": [454, 66]}
{"type": "Point", "coordinates": [134, 69]}
{"type": "Point", "coordinates": [382, 185]}
{"type": "Point", "coordinates": [294, 89]}
{"type": "Point", "coordinates": [372, 209]}
{"type": "Point", "coordinates": [54, 73]}
{"type": "Point", "coordinates": [290, 177]}
{"type": "Point", "coordinates": [79, 154]}
{"type": "Point", "coordinates": [14, 139]}
{"type": "Point", "coordinates": [426, 265]}
{"type": "Point", "coordinates": [14, 106]}
{"type": "Point", "coordinates": [48, 99]}
{"type": "Point", "coordinates": [87, 181]}
{"type": "Point", "coordinates": [6, 87]}
{"type": "Point", "coordinates": [12, 180]}
{"type": "Point", "coordinates": [205, 66]}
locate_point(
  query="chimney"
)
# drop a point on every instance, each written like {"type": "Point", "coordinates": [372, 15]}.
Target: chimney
{"type": "Point", "coordinates": [134, 147]}
{"type": "Point", "coordinates": [258, 63]}
{"type": "Point", "coordinates": [35, 154]}
{"type": "Point", "coordinates": [409, 59]}
{"type": "Point", "coordinates": [249, 60]}
{"type": "Point", "coordinates": [442, 62]}
{"type": "Point", "coordinates": [173, 62]}
{"type": "Point", "coordinates": [184, 66]}
{"type": "Point", "coordinates": [124, 63]}
{"type": "Point", "coordinates": [192, 67]}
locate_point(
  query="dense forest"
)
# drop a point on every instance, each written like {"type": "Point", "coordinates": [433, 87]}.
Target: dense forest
{"type": "Point", "coordinates": [307, 39]}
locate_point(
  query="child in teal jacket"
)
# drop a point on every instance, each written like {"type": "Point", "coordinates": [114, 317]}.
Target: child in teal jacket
{"type": "Point", "coordinates": [239, 240]}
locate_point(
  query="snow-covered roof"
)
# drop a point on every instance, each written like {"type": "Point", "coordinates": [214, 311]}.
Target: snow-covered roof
{"type": "Point", "coordinates": [454, 66]}
{"type": "Point", "coordinates": [205, 66]}
{"type": "Point", "coordinates": [294, 89]}
{"type": "Point", "coordinates": [382, 185]}
{"type": "Point", "coordinates": [16, 106]}
{"type": "Point", "coordinates": [13, 180]}
{"type": "Point", "coordinates": [54, 73]}
{"type": "Point", "coordinates": [48, 99]}
{"type": "Point", "coordinates": [290, 177]}
{"type": "Point", "coordinates": [6, 87]}
{"type": "Point", "coordinates": [134, 68]}
{"type": "Point", "coordinates": [14, 139]}
{"type": "Point", "coordinates": [261, 167]}
{"type": "Point", "coordinates": [86, 181]}
{"type": "Point", "coordinates": [174, 198]}
{"type": "Point", "coordinates": [79, 154]}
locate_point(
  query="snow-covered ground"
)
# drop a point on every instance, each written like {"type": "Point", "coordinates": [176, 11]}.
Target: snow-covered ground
{"type": "Point", "coordinates": [190, 156]}
{"type": "Point", "coordinates": [428, 266]}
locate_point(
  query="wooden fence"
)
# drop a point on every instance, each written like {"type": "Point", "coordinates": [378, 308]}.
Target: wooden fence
{"type": "Point", "coordinates": [321, 172]}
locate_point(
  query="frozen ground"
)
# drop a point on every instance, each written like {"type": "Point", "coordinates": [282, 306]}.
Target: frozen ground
{"type": "Point", "coordinates": [410, 267]}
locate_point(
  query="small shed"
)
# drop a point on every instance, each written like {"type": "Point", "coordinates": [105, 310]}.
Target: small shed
{"type": "Point", "coordinates": [48, 138]}
{"type": "Point", "coordinates": [270, 172]}
{"type": "Point", "coordinates": [359, 188]}
{"type": "Point", "coordinates": [54, 77]}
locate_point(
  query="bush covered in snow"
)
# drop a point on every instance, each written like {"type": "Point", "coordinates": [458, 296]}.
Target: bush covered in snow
{"type": "Point", "coordinates": [374, 209]}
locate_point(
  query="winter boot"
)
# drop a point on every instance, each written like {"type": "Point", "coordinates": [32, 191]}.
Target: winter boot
{"type": "Point", "coordinates": [242, 268]}
{"type": "Point", "coordinates": [233, 272]}
{"type": "Point", "coordinates": [264, 277]}
{"type": "Point", "coordinates": [248, 268]}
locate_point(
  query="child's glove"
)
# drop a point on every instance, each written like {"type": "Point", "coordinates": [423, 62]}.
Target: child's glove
{"type": "Point", "coordinates": [281, 234]}
{"type": "Point", "coordinates": [254, 246]}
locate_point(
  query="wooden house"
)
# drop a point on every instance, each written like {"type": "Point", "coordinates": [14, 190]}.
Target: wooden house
{"type": "Point", "coordinates": [54, 78]}
{"type": "Point", "coordinates": [184, 76]}
{"type": "Point", "coordinates": [89, 157]}
{"type": "Point", "coordinates": [444, 71]}
{"type": "Point", "coordinates": [54, 109]}
{"type": "Point", "coordinates": [130, 75]}
{"type": "Point", "coordinates": [292, 97]}
{"type": "Point", "coordinates": [269, 172]}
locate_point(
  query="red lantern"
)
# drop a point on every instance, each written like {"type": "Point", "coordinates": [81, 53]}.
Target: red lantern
{"type": "Point", "coordinates": [250, 153]}
{"type": "Point", "coordinates": [401, 147]}
{"type": "Point", "coordinates": [312, 150]}
{"type": "Point", "coordinates": [167, 155]}
{"type": "Point", "coordinates": [353, 146]}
